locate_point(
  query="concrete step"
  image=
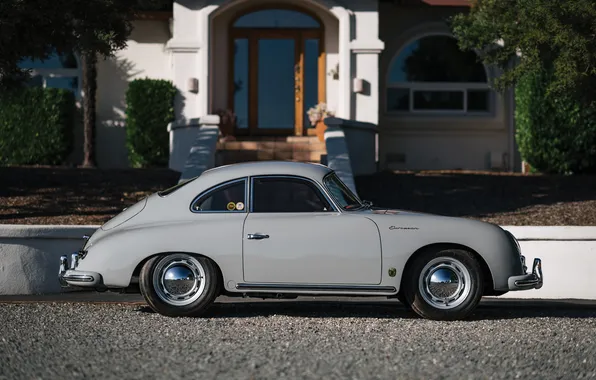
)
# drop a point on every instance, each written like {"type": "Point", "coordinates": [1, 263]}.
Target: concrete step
{"type": "Point", "coordinates": [289, 148]}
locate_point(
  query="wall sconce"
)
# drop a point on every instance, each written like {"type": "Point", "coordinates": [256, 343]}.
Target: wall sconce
{"type": "Point", "coordinates": [192, 85]}
{"type": "Point", "coordinates": [358, 85]}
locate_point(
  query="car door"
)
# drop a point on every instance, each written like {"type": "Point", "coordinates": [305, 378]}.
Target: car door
{"type": "Point", "coordinates": [293, 234]}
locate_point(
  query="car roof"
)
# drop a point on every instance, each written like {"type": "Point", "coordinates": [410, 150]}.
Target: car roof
{"type": "Point", "coordinates": [245, 169]}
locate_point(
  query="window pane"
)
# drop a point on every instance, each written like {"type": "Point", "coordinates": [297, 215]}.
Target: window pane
{"type": "Point", "coordinates": [228, 198]}
{"type": "Point", "coordinates": [66, 61]}
{"type": "Point", "coordinates": [276, 18]}
{"type": "Point", "coordinates": [241, 60]}
{"type": "Point", "coordinates": [311, 77]}
{"type": "Point", "coordinates": [438, 100]}
{"type": "Point", "coordinates": [276, 104]}
{"type": "Point", "coordinates": [478, 100]}
{"type": "Point", "coordinates": [436, 59]}
{"type": "Point", "coordinates": [398, 99]}
{"type": "Point", "coordinates": [287, 195]}
{"type": "Point", "coordinates": [69, 83]}
{"type": "Point", "coordinates": [342, 194]}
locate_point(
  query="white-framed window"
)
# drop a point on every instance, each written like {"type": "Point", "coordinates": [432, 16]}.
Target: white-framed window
{"type": "Point", "coordinates": [431, 75]}
{"type": "Point", "coordinates": [58, 71]}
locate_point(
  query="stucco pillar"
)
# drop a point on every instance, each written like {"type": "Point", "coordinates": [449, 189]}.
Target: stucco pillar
{"type": "Point", "coordinates": [185, 49]}
{"type": "Point", "coordinates": [365, 50]}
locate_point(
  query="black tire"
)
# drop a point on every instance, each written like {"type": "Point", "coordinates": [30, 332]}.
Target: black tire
{"type": "Point", "coordinates": [151, 283]}
{"type": "Point", "coordinates": [461, 291]}
{"type": "Point", "coordinates": [402, 298]}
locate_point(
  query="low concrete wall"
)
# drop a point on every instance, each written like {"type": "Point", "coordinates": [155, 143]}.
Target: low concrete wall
{"type": "Point", "coordinates": [29, 258]}
{"type": "Point", "coordinates": [568, 260]}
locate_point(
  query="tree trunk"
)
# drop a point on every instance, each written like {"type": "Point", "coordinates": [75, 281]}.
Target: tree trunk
{"type": "Point", "coordinates": [89, 85]}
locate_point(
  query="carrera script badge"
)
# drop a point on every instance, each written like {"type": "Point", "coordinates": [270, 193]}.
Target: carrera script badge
{"type": "Point", "coordinates": [402, 228]}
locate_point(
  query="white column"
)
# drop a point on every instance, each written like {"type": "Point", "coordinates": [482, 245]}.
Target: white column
{"type": "Point", "coordinates": [365, 50]}
{"type": "Point", "coordinates": [185, 48]}
{"type": "Point", "coordinates": [344, 103]}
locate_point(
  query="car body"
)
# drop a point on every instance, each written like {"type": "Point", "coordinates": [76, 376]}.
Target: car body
{"type": "Point", "coordinates": [283, 229]}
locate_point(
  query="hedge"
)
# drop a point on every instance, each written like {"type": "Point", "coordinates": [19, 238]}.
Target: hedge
{"type": "Point", "coordinates": [149, 109]}
{"type": "Point", "coordinates": [36, 126]}
{"type": "Point", "coordinates": [555, 133]}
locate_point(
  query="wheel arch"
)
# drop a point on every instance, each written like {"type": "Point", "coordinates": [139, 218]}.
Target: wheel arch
{"type": "Point", "coordinates": [487, 274]}
{"type": "Point", "coordinates": [137, 271]}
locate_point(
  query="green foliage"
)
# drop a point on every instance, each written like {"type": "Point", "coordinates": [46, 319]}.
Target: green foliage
{"type": "Point", "coordinates": [555, 133]}
{"type": "Point", "coordinates": [149, 109]}
{"type": "Point", "coordinates": [535, 34]}
{"type": "Point", "coordinates": [36, 126]}
{"type": "Point", "coordinates": [32, 29]}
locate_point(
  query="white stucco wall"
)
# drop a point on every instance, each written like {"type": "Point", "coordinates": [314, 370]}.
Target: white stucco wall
{"type": "Point", "coordinates": [29, 258]}
{"type": "Point", "coordinates": [145, 56]}
{"type": "Point", "coordinates": [441, 141]}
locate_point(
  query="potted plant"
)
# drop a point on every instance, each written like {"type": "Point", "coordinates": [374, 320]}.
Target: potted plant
{"type": "Point", "coordinates": [227, 124]}
{"type": "Point", "coordinates": [317, 115]}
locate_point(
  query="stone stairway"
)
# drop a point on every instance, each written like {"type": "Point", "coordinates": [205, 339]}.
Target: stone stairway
{"type": "Point", "coordinates": [287, 148]}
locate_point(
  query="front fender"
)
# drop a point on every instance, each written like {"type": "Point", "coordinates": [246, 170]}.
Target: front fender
{"type": "Point", "coordinates": [489, 241]}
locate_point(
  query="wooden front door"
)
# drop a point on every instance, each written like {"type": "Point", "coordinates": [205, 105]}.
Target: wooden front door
{"type": "Point", "coordinates": [276, 76]}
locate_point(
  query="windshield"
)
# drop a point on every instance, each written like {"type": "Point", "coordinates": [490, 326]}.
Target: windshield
{"type": "Point", "coordinates": [341, 193]}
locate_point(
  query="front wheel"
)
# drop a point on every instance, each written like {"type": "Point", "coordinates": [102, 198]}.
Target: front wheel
{"type": "Point", "coordinates": [179, 284]}
{"type": "Point", "coordinates": [444, 284]}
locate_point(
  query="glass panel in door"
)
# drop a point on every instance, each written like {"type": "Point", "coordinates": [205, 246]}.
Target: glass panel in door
{"type": "Point", "coordinates": [276, 103]}
{"type": "Point", "coordinates": [241, 75]}
{"type": "Point", "coordinates": [311, 77]}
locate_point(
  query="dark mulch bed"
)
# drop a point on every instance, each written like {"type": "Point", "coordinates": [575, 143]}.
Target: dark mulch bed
{"type": "Point", "coordinates": [504, 199]}
{"type": "Point", "coordinates": [49, 195]}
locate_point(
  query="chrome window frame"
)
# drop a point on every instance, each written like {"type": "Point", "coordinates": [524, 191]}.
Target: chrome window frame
{"type": "Point", "coordinates": [334, 208]}
{"type": "Point", "coordinates": [213, 189]}
{"type": "Point", "coordinates": [331, 174]}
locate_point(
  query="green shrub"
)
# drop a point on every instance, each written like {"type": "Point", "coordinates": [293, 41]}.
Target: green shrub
{"type": "Point", "coordinates": [149, 109]}
{"type": "Point", "coordinates": [36, 126]}
{"type": "Point", "coordinates": [555, 133]}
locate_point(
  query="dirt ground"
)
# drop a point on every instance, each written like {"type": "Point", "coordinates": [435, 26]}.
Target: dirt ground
{"type": "Point", "coordinates": [51, 195]}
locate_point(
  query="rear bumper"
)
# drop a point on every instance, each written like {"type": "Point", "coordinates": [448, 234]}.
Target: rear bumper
{"type": "Point", "coordinates": [68, 275]}
{"type": "Point", "coordinates": [527, 281]}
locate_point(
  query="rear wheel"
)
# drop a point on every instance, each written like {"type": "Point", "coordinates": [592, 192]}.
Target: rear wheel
{"type": "Point", "coordinates": [179, 284]}
{"type": "Point", "coordinates": [444, 284]}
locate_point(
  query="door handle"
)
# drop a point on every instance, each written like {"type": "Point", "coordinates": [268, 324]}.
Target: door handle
{"type": "Point", "coordinates": [257, 236]}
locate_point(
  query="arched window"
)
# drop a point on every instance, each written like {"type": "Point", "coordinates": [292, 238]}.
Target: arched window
{"type": "Point", "coordinates": [432, 75]}
{"type": "Point", "coordinates": [277, 18]}
{"type": "Point", "coordinates": [58, 71]}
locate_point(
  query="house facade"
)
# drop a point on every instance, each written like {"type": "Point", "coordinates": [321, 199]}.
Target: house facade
{"type": "Point", "coordinates": [391, 63]}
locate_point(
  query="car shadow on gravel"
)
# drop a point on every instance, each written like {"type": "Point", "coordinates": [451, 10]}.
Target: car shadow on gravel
{"type": "Point", "coordinates": [487, 310]}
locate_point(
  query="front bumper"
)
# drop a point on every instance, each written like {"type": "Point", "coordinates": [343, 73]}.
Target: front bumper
{"type": "Point", "coordinates": [527, 281]}
{"type": "Point", "coordinates": [69, 276]}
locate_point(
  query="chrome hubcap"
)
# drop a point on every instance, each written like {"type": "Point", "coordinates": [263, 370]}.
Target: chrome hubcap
{"type": "Point", "coordinates": [445, 283]}
{"type": "Point", "coordinates": [179, 280]}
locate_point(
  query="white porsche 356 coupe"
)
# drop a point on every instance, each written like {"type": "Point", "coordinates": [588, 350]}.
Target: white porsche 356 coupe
{"type": "Point", "coordinates": [284, 229]}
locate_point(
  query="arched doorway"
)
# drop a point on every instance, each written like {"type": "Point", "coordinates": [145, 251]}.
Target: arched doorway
{"type": "Point", "coordinates": [277, 70]}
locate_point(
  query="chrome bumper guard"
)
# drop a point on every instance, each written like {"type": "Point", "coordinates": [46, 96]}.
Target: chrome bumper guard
{"type": "Point", "coordinates": [528, 281]}
{"type": "Point", "coordinates": [68, 276]}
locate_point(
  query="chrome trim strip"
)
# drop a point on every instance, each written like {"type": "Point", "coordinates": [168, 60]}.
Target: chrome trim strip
{"type": "Point", "coordinates": [79, 278]}
{"type": "Point", "coordinates": [301, 287]}
{"type": "Point", "coordinates": [294, 177]}
{"type": "Point", "coordinates": [215, 188]}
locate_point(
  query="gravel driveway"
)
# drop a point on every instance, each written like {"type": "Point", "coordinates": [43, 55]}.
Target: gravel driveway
{"type": "Point", "coordinates": [297, 339]}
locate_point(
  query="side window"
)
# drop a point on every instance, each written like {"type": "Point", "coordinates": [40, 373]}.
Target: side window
{"type": "Point", "coordinates": [229, 198]}
{"type": "Point", "coordinates": [287, 195]}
